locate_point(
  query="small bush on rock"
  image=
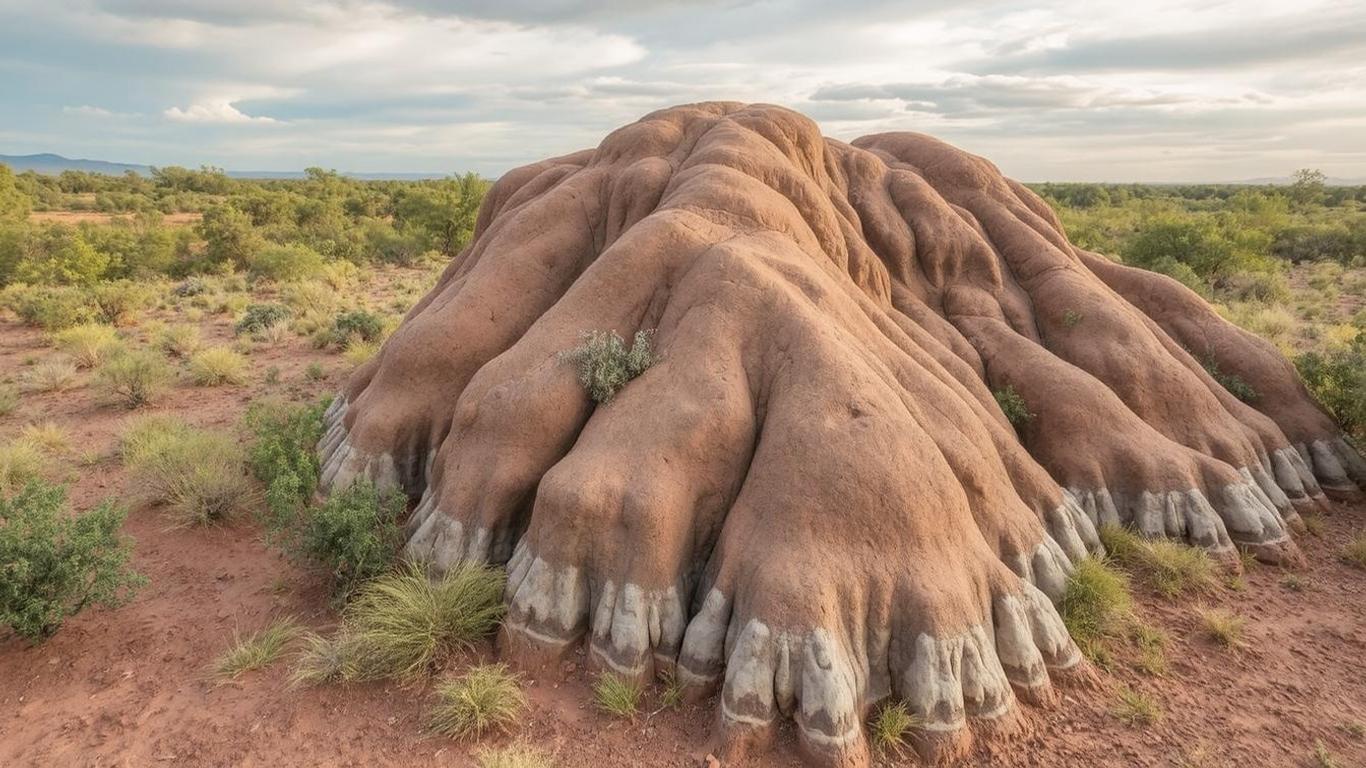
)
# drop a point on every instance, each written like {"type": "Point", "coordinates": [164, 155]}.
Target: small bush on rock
{"type": "Point", "coordinates": [606, 365]}
{"type": "Point", "coordinates": [54, 564]}
{"type": "Point", "coordinates": [1013, 405]}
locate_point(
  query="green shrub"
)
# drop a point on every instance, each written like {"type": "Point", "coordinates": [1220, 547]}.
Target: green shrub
{"type": "Point", "coordinates": [285, 263]}
{"type": "Point", "coordinates": [284, 457]}
{"type": "Point", "coordinates": [55, 564]}
{"type": "Point", "coordinates": [486, 698]}
{"type": "Point", "coordinates": [198, 476]}
{"type": "Point", "coordinates": [357, 324]}
{"type": "Point", "coordinates": [1232, 382]}
{"type": "Point", "coordinates": [1013, 405]}
{"type": "Point", "coordinates": [119, 301]}
{"type": "Point", "coordinates": [216, 366]}
{"type": "Point", "coordinates": [135, 379]}
{"type": "Point", "coordinates": [88, 345]}
{"type": "Point", "coordinates": [1337, 379]}
{"type": "Point", "coordinates": [354, 534]}
{"type": "Point", "coordinates": [605, 364]}
{"type": "Point", "coordinates": [52, 307]}
{"type": "Point", "coordinates": [257, 317]}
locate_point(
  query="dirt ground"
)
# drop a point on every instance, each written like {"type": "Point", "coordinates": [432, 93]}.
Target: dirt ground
{"type": "Point", "coordinates": [131, 687]}
{"type": "Point", "coordinates": [97, 217]}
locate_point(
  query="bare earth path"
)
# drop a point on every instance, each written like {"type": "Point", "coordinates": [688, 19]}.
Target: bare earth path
{"type": "Point", "coordinates": [131, 688]}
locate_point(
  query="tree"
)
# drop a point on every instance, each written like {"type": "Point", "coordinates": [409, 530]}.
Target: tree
{"type": "Point", "coordinates": [444, 211]}
{"type": "Point", "coordinates": [14, 204]}
{"type": "Point", "coordinates": [229, 236]}
{"type": "Point", "coordinates": [1308, 186]}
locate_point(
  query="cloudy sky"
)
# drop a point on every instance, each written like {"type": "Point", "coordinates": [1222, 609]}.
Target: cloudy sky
{"type": "Point", "coordinates": [1144, 91]}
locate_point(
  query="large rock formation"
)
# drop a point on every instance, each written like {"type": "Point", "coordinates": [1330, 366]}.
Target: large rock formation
{"type": "Point", "coordinates": [813, 501]}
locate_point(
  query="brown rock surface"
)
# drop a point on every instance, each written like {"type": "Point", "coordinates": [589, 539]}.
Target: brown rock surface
{"type": "Point", "coordinates": [812, 500]}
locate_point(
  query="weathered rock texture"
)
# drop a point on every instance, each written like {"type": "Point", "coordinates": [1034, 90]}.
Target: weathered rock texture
{"type": "Point", "coordinates": [812, 501]}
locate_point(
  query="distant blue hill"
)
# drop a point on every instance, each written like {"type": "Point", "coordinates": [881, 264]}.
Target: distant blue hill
{"type": "Point", "coordinates": [50, 164]}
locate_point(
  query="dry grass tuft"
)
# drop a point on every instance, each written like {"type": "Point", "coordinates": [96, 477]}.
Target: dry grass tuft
{"type": "Point", "coordinates": [617, 696]}
{"type": "Point", "coordinates": [256, 650]}
{"type": "Point", "coordinates": [216, 366]}
{"type": "Point", "coordinates": [486, 698]}
{"type": "Point", "coordinates": [1222, 626]}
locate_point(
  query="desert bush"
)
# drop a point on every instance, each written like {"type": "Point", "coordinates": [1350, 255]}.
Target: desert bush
{"type": "Point", "coordinates": [119, 301]}
{"type": "Point", "coordinates": [48, 437]}
{"type": "Point", "coordinates": [190, 286]}
{"type": "Point", "coordinates": [1337, 379]}
{"type": "Point", "coordinates": [309, 298]}
{"type": "Point", "coordinates": [1232, 382]}
{"type": "Point", "coordinates": [404, 623]}
{"type": "Point", "coordinates": [605, 364]}
{"type": "Point", "coordinates": [257, 650]}
{"type": "Point", "coordinates": [486, 698]}
{"type": "Point", "coordinates": [215, 366]}
{"type": "Point", "coordinates": [256, 317]}
{"type": "Point", "coordinates": [357, 323]}
{"type": "Point", "coordinates": [617, 695]}
{"type": "Point", "coordinates": [314, 372]}
{"type": "Point", "coordinates": [89, 344]}
{"type": "Point", "coordinates": [54, 374]}
{"type": "Point", "coordinates": [284, 457]}
{"type": "Point", "coordinates": [1353, 552]}
{"type": "Point", "coordinates": [134, 379]}
{"type": "Point", "coordinates": [359, 352]}
{"type": "Point", "coordinates": [179, 340]}
{"type": "Point", "coordinates": [285, 263]}
{"type": "Point", "coordinates": [1013, 405]}
{"type": "Point", "coordinates": [21, 462]}
{"type": "Point", "coordinates": [55, 563]}
{"type": "Point", "coordinates": [354, 534]}
{"type": "Point", "coordinates": [52, 307]}
{"type": "Point", "coordinates": [197, 476]}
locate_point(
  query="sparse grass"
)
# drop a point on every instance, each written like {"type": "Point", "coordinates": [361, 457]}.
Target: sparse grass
{"type": "Point", "coordinates": [55, 374]}
{"type": "Point", "coordinates": [1353, 728]}
{"type": "Point", "coordinates": [89, 344]}
{"type": "Point", "coordinates": [1222, 626]}
{"type": "Point", "coordinates": [9, 399]}
{"type": "Point", "coordinates": [1323, 758]}
{"type": "Point", "coordinates": [216, 366]}
{"type": "Point", "coordinates": [275, 334]}
{"type": "Point", "coordinates": [134, 379]}
{"type": "Point", "coordinates": [889, 726]}
{"type": "Point", "coordinates": [486, 698]}
{"type": "Point", "coordinates": [1152, 646]}
{"type": "Point", "coordinates": [1095, 605]}
{"type": "Point", "coordinates": [314, 372]}
{"type": "Point", "coordinates": [257, 650]}
{"type": "Point", "coordinates": [49, 437]}
{"type": "Point", "coordinates": [671, 693]}
{"type": "Point", "coordinates": [180, 340]}
{"type": "Point", "coordinates": [617, 696]}
{"type": "Point", "coordinates": [1136, 708]}
{"type": "Point", "coordinates": [1293, 582]}
{"type": "Point", "coordinates": [198, 476]}
{"type": "Point", "coordinates": [405, 622]}
{"type": "Point", "coordinates": [1313, 524]}
{"type": "Point", "coordinates": [605, 364]}
{"type": "Point", "coordinates": [1353, 552]}
{"type": "Point", "coordinates": [1169, 567]}
{"type": "Point", "coordinates": [512, 756]}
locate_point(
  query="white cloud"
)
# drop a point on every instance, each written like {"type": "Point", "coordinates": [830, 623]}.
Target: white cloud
{"type": "Point", "coordinates": [86, 110]}
{"type": "Point", "coordinates": [217, 111]}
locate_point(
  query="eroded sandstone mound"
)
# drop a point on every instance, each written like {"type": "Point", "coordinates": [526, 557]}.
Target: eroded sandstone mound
{"type": "Point", "coordinates": [812, 501]}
